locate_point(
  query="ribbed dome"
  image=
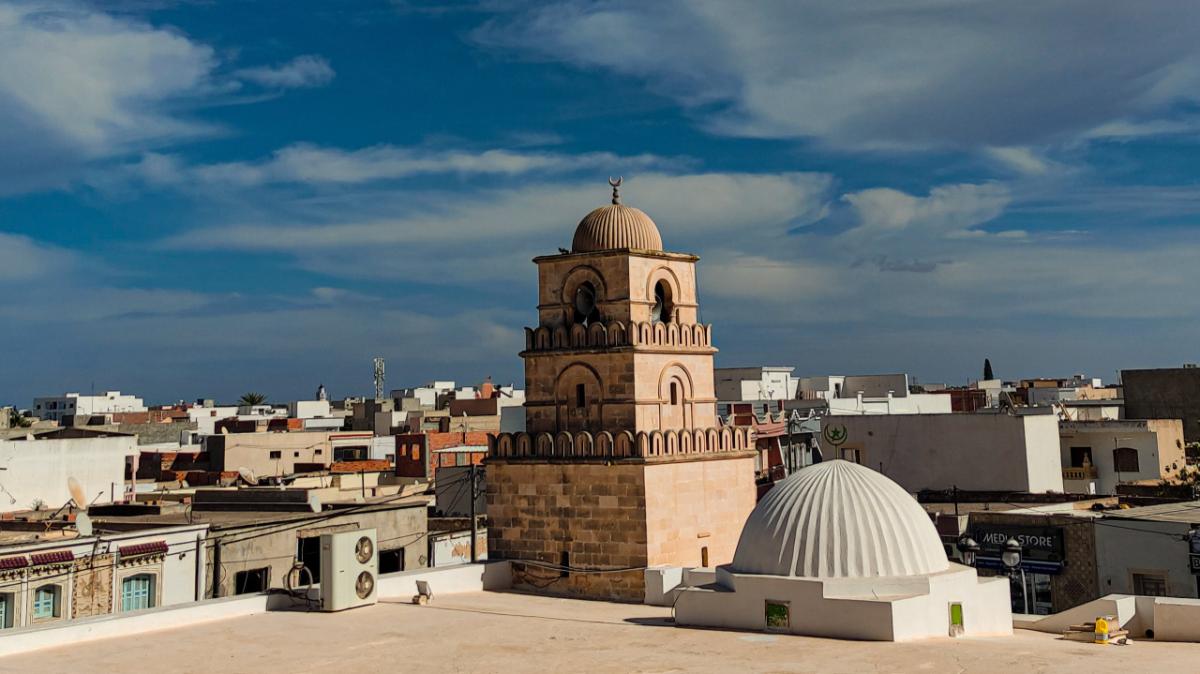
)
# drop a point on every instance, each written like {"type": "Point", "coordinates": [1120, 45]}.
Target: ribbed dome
{"type": "Point", "coordinates": [838, 519]}
{"type": "Point", "coordinates": [616, 226]}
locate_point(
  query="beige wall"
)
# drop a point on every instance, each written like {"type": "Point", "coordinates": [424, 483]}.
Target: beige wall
{"type": "Point", "coordinates": [620, 515]}
{"type": "Point", "coordinates": [253, 451]}
{"type": "Point", "coordinates": [691, 505]}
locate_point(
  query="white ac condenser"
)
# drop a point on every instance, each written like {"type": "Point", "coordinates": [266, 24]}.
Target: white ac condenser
{"type": "Point", "coordinates": [349, 569]}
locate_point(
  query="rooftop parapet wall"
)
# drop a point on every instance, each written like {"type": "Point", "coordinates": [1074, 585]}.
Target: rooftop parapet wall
{"type": "Point", "coordinates": [622, 445]}
{"type": "Point", "coordinates": [616, 333]}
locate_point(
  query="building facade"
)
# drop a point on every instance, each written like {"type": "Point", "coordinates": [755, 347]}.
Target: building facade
{"type": "Point", "coordinates": [55, 408]}
{"type": "Point", "coordinates": [623, 463]}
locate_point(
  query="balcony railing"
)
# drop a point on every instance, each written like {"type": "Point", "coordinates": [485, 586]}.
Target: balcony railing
{"type": "Point", "coordinates": [1080, 473]}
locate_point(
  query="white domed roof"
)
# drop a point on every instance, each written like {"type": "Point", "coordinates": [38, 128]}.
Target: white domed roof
{"type": "Point", "coordinates": [837, 519]}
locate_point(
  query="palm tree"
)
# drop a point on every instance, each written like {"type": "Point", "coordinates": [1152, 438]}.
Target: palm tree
{"type": "Point", "coordinates": [252, 398]}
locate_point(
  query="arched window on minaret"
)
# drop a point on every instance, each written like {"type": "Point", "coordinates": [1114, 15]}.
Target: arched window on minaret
{"type": "Point", "coordinates": [664, 307]}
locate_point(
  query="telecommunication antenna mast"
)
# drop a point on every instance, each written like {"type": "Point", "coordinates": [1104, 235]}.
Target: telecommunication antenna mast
{"type": "Point", "coordinates": [379, 374]}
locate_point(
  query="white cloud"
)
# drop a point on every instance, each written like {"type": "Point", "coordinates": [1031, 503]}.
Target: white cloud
{"type": "Point", "coordinates": [882, 74]}
{"type": "Point", "coordinates": [304, 71]}
{"type": "Point", "coordinates": [308, 164]}
{"type": "Point", "coordinates": [23, 259]}
{"type": "Point", "coordinates": [949, 210]}
{"type": "Point", "coordinates": [76, 84]}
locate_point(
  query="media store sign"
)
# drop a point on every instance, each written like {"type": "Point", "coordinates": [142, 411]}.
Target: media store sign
{"type": "Point", "coordinates": [1041, 547]}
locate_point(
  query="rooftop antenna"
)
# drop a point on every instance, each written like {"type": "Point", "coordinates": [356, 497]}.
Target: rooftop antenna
{"type": "Point", "coordinates": [379, 376]}
{"type": "Point", "coordinates": [247, 475]}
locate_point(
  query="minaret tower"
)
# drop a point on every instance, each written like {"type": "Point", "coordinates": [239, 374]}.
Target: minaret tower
{"type": "Point", "coordinates": [623, 464]}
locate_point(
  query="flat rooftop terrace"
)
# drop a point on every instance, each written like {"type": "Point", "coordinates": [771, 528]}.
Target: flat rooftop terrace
{"type": "Point", "coordinates": [508, 632]}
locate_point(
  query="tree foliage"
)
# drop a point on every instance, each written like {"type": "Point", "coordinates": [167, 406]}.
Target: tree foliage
{"type": "Point", "coordinates": [252, 398]}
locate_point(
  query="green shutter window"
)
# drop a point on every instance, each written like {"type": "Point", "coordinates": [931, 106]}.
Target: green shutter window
{"type": "Point", "coordinates": [137, 592]}
{"type": "Point", "coordinates": [45, 602]}
{"type": "Point", "coordinates": [6, 602]}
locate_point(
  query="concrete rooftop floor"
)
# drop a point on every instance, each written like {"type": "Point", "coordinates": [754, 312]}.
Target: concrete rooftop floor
{"type": "Point", "coordinates": [508, 632]}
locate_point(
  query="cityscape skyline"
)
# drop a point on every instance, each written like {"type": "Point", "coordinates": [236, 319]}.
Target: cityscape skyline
{"type": "Point", "coordinates": [265, 200]}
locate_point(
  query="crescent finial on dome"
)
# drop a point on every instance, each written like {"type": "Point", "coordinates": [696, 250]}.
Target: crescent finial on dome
{"type": "Point", "coordinates": [616, 185]}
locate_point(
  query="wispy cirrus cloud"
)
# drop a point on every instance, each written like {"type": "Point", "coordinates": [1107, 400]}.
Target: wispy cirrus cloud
{"type": "Point", "coordinates": [881, 74]}
{"type": "Point", "coordinates": [304, 163]}
{"type": "Point", "coordinates": [308, 70]}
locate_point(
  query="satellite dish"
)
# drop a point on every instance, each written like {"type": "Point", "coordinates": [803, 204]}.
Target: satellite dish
{"type": "Point", "coordinates": [83, 524]}
{"type": "Point", "coordinates": [77, 493]}
{"type": "Point", "coordinates": [247, 475]}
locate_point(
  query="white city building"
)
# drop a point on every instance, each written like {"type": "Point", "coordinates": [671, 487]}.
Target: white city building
{"type": "Point", "coordinates": [838, 550]}
{"type": "Point", "coordinates": [738, 384]}
{"type": "Point", "coordinates": [871, 394]}
{"type": "Point", "coordinates": [42, 469]}
{"type": "Point", "coordinates": [69, 404]}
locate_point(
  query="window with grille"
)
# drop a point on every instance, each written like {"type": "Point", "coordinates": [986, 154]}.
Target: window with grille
{"type": "Point", "coordinates": [46, 602]}
{"type": "Point", "coordinates": [137, 592]}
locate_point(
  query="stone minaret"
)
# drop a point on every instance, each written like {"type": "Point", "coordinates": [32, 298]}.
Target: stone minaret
{"type": "Point", "coordinates": [623, 463]}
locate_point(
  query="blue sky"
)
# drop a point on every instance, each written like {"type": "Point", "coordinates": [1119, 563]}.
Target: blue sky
{"type": "Point", "coordinates": [204, 198]}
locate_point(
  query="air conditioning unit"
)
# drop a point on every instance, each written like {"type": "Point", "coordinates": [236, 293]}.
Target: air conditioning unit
{"type": "Point", "coordinates": [349, 566]}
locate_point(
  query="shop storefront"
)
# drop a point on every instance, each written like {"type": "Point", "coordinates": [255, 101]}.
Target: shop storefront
{"type": "Point", "coordinates": [1043, 557]}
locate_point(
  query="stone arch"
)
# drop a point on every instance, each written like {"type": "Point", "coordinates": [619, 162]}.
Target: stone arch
{"type": "Point", "coordinates": [604, 444]}
{"type": "Point", "coordinates": [544, 445]}
{"type": "Point", "coordinates": [676, 391]}
{"type": "Point", "coordinates": [584, 444]}
{"type": "Point", "coordinates": [673, 334]}
{"type": "Point", "coordinates": [643, 444]}
{"type": "Point", "coordinates": [616, 333]}
{"type": "Point", "coordinates": [698, 335]}
{"type": "Point", "coordinates": [578, 336]}
{"type": "Point", "coordinates": [713, 440]}
{"type": "Point", "coordinates": [541, 338]}
{"type": "Point", "coordinates": [671, 442]}
{"type": "Point", "coordinates": [660, 334]}
{"type": "Point", "coordinates": [503, 445]}
{"type": "Point", "coordinates": [685, 442]}
{"type": "Point", "coordinates": [726, 439]}
{"type": "Point", "coordinates": [559, 338]}
{"type": "Point", "coordinates": [623, 444]}
{"type": "Point", "coordinates": [564, 445]}
{"type": "Point", "coordinates": [700, 442]}
{"type": "Point", "coordinates": [528, 339]}
{"type": "Point", "coordinates": [597, 335]}
{"type": "Point", "coordinates": [656, 443]}
{"type": "Point", "coordinates": [647, 334]}
{"type": "Point", "coordinates": [685, 336]}
{"type": "Point", "coordinates": [578, 397]}
{"type": "Point", "coordinates": [524, 445]}
{"type": "Point", "coordinates": [673, 286]}
{"type": "Point", "coordinates": [579, 275]}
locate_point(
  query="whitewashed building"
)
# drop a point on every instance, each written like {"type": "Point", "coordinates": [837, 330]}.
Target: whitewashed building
{"type": "Point", "coordinates": [40, 468]}
{"type": "Point", "coordinates": [56, 407]}
{"type": "Point", "coordinates": [838, 550]}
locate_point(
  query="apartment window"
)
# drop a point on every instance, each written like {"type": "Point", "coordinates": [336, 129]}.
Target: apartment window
{"type": "Point", "coordinates": [7, 607]}
{"type": "Point", "coordinates": [137, 592]}
{"type": "Point", "coordinates": [1126, 460]}
{"type": "Point", "coordinates": [704, 556]}
{"type": "Point", "coordinates": [349, 453]}
{"type": "Point", "coordinates": [251, 580]}
{"type": "Point", "coordinates": [295, 455]}
{"type": "Point", "coordinates": [318, 452]}
{"type": "Point", "coordinates": [391, 561]}
{"type": "Point", "coordinates": [276, 454]}
{"type": "Point", "coordinates": [580, 396]}
{"type": "Point", "coordinates": [1150, 584]}
{"type": "Point", "coordinates": [47, 602]}
{"type": "Point", "coordinates": [674, 393]}
{"type": "Point", "coordinates": [1081, 456]}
